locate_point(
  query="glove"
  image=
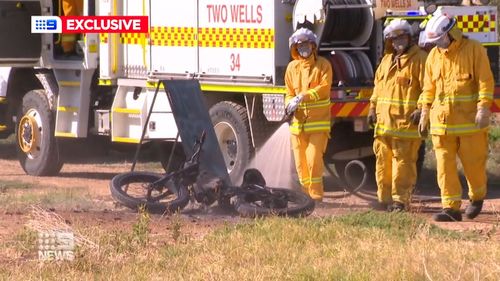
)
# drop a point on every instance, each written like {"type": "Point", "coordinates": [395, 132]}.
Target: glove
{"type": "Point", "coordinates": [293, 104]}
{"type": "Point", "coordinates": [423, 124]}
{"type": "Point", "coordinates": [372, 117]}
{"type": "Point", "coordinates": [415, 116]}
{"type": "Point", "coordinates": [483, 117]}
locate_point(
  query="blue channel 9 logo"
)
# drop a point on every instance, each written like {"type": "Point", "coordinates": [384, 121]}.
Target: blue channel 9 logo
{"type": "Point", "coordinates": [46, 24]}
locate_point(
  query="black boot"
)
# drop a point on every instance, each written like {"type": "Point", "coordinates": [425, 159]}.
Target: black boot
{"type": "Point", "coordinates": [474, 209]}
{"type": "Point", "coordinates": [448, 215]}
{"type": "Point", "coordinates": [397, 207]}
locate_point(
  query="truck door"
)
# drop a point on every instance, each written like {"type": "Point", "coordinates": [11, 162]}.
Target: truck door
{"type": "Point", "coordinates": [19, 46]}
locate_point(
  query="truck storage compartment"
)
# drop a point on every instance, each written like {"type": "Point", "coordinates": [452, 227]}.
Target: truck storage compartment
{"type": "Point", "coordinates": [344, 28]}
{"type": "Point", "coordinates": [19, 45]}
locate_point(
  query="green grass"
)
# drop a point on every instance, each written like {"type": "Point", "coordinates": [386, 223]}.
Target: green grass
{"type": "Point", "coordinates": [494, 134]}
{"type": "Point", "coordinates": [17, 195]}
{"type": "Point", "coordinates": [360, 246]}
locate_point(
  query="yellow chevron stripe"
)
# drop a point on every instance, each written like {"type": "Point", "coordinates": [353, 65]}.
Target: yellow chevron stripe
{"type": "Point", "coordinates": [346, 109]}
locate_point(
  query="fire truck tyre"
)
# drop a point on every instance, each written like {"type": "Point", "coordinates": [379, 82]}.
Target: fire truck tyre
{"type": "Point", "coordinates": [130, 190]}
{"type": "Point", "coordinates": [285, 202]}
{"type": "Point", "coordinates": [233, 133]}
{"type": "Point", "coordinates": [37, 147]}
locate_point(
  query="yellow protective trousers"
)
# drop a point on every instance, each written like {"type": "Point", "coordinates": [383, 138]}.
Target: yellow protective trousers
{"type": "Point", "coordinates": [472, 151]}
{"type": "Point", "coordinates": [308, 150]}
{"type": "Point", "coordinates": [395, 168]}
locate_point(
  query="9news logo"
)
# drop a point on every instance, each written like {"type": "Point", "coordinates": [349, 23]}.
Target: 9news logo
{"type": "Point", "coordinates": [46, 24]}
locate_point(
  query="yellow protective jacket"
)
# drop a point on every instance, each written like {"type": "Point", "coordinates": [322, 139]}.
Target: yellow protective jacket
{"type": "Point", "coordinates": [457, 81]}
{"type": "Point", "coordinates": [398, 84]}
{"type": "Point", "coordinates": [313, 77]}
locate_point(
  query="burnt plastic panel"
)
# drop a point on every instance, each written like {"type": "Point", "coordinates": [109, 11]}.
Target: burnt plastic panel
{"type": "Point", "coordinates": [192, 118]}
{"type": "Point", "coordinates": [18, 43]}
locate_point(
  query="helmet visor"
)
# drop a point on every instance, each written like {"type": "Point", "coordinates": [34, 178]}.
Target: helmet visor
{"type": "Point", "coordinates": [395, 33]}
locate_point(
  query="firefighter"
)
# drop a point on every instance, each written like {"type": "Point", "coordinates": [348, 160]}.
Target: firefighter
{"type": "Point", "coordinates": [308, 80]}
{"type": "Point", "coordinates": [457, 95]}
{"type": "Point", "coordinates": [68, 41]}
{"type": "Point", "coordinates": [394, 116]}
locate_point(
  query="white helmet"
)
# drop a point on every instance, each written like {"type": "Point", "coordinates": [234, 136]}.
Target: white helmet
{"type": "Point", "coordinates": [397, 27]}
{"type": "Point", "coordinates": [302, 35]}
{"type": "Point", "coordinates": [437, 27]}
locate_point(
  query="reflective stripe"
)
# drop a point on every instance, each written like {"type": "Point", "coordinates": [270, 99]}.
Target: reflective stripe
{"type": "Point", "coordinates": [454, 197]}
{"type": "Point", "coordinates": [486, 96]}
{"type": "Point", "coordinates": [314, 93]}
{"type": "Point", "coordinates": [440, 129]}
{"type": "Point", "coordinates": [466, 98]}
{"type": "Point", "coordinates": [65, 134]}
{"type": "Point", "coordinates": [67, 109]}
{"type": "Point", "coordinates": [126, 140]}
{"type": "Point", "coordinates": [69, 83]}
{"type": "Point", "coordinates": [395, 101]}
{"type": "Point", "coordinates": [315, 104]}
{"type": "Point", "coordinates": [319, 126]}
{"type": "Point", "coordinates": [317, 180]}
{"type": "Point", "coordinates": [243, 89]}
{"type": "Point", "coordinates": [304, 181]}
{"type": "Point", "coordinates": [460, 98]}
{"type": "Point", "coordinates": [105, 82]}
{"type": "Point", "coordinates": [381, 129]}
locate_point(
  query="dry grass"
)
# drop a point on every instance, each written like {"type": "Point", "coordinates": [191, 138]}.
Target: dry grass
{"type": "Point", "coordinates": [18, 196]}
{"type": "Point", "coordinates": [360, 246]}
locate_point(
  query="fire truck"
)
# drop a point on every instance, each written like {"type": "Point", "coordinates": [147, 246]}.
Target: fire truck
{"type": "Point", "coordinates": [238, 50]}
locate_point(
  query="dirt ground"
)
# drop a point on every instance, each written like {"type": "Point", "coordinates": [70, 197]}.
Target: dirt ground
{"type": "Point", "coordinates": [93, 178]}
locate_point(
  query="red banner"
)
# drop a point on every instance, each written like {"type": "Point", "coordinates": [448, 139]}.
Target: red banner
{"type": "Point", "coordinates": [105, 24]}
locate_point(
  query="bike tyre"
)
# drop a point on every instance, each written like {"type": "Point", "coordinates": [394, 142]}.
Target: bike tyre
{"type": "Point", "coordinates": [305, 206]}
{"type": "Point", "coordinates": [120, 180]}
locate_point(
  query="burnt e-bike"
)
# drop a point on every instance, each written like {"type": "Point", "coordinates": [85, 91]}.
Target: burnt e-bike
{"type": "Point", "coordinates": [171, 192]}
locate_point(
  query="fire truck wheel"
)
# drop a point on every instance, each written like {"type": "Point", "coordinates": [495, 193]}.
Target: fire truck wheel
{"type": "Point", "coordinates": [37, 147]}
{"type": "Point", "coordinates": [233, 133]}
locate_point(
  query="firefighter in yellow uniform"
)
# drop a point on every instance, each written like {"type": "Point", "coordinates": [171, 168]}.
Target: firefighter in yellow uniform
{"type": "Point", "coordinates": [457, 95]}
{"type": "Point", "coordinates": [308, 80]}
{"type": "Point", "coordinates": [394, 116]}
{"type": "Point", "coordinates": [70, 8]}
